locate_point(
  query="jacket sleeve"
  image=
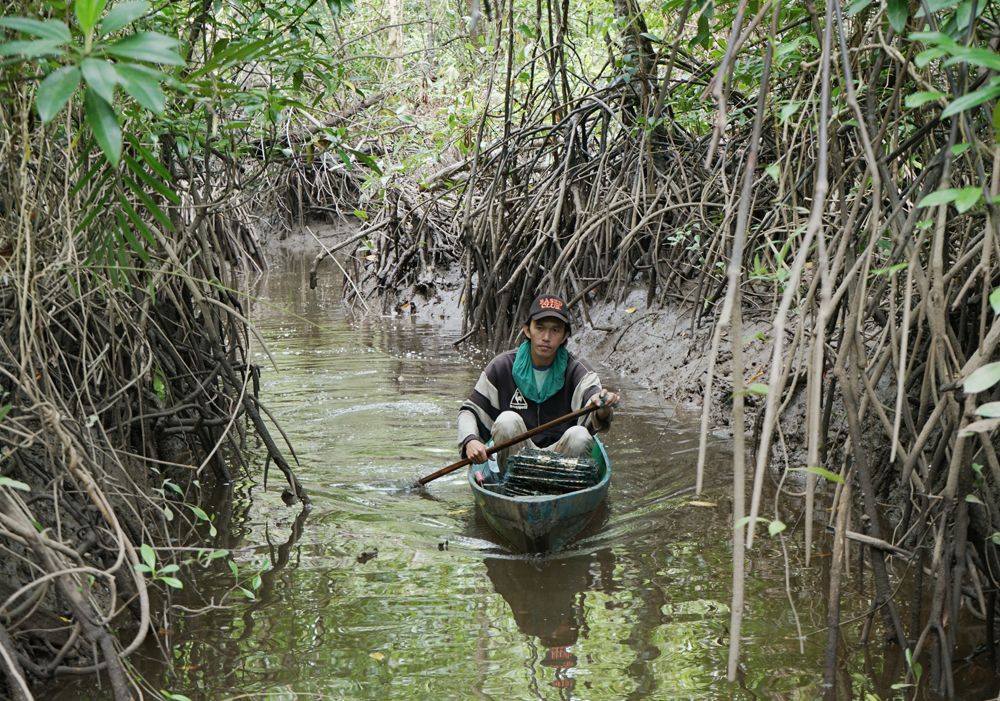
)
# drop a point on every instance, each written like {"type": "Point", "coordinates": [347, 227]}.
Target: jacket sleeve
{"type": "Point", "coordinates": [480, 410]}
{"type": "Point", "coordinates": [586, 387]}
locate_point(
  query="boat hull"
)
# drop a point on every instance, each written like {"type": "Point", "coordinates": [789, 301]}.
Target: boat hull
{"type": "Point", "coordinates": [542, 523]}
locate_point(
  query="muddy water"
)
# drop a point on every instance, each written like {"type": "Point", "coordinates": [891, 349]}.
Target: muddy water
{"type": "Point", "coordinates": [385, 593]}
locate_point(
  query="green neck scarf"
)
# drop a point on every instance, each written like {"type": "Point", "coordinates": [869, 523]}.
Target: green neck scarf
{"type": "Point", "coordinates": [525, 379]}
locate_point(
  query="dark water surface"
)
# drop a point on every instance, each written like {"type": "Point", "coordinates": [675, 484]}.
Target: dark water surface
{"type": "Point", "coordinates": [637, 609]}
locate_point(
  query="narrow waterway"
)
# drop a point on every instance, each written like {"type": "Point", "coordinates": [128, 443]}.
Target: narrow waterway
{"type": "Point", "coordinates": [381, 592]}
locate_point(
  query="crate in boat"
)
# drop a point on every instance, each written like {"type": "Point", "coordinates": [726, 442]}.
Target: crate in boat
{"type": "Point", "coordinates": [544, 472]}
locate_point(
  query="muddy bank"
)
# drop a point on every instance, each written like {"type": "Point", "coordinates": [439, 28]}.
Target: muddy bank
{"type": "Point", "coordinates": [661, 348]}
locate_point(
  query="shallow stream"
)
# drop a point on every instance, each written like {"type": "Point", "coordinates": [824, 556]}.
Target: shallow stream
{"type": "Point", "coordinates": [381, 592]}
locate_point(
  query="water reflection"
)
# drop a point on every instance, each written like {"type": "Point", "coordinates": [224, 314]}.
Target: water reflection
{"type": "Point", "coordinates": [636, 610]}
{"type": "Point", "coordinates": [548, 601]}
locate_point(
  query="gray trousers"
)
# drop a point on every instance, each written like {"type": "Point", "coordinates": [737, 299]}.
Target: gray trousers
{"type": "Point", "coordinates": [576, 442]}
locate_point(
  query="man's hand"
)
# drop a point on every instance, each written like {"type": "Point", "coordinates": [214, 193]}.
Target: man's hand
{"type": "Point", "coordinates": [476, 450]}
{"type": "Point", "coordinates": [605, 400]}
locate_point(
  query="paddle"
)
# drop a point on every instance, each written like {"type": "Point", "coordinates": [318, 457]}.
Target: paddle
{"type": "Point", "coordinates": [506, 444]}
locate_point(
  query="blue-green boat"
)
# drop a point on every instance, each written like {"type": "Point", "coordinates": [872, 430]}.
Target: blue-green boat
{"type": "Point", "coordinates": [537, 524]}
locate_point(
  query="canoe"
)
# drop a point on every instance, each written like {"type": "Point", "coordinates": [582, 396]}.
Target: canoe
{"type": "Point", "coordinates": [535, 524]}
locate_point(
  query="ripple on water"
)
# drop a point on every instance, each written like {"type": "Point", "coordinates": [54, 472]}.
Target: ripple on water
{"type": "Point", "coordinates": [384, 592]}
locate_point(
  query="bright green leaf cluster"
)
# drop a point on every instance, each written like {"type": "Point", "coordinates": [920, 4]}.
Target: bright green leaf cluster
{"type": "Point", "coordinates": [964, 198]}
{"type": "Point", "coordinates": [163, 574]}
{"type": "Point", "coordinates": [942, 45]}
{"type": "Point", "coordinates": [99, 61]}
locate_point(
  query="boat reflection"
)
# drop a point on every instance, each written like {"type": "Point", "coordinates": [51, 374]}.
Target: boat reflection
{"type": "Point", "coordinates": [548, 600]}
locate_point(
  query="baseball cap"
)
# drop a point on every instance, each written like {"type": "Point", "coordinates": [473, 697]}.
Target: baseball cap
{"type": "Point", "coordinates": [545, 305]}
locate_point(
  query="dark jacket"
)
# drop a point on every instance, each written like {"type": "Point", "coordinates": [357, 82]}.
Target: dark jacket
{"type": "Point", "coordinates": [496, 392]}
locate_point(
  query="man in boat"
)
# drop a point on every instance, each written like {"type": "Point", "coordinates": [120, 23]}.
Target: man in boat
{"type": "Point", "coordinates": [531, 385]}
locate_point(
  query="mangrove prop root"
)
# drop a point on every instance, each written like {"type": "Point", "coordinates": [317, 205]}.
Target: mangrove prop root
{"type": "Point", "coordinates": [124, 373]}
{"type": "Point", "coordinates": [590, 185]}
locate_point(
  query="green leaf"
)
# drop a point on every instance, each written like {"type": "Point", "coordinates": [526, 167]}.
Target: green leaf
{"type": "Point", "coordinates": [139, 225]}
{"type": "Point", "coordinates": [158, 185]}
{"type": "Point", "coordinates": [758, 388]}
{"type": "Point", "coordinates": [199, 513]}
{"type": "Point", "coordinates": [990, 410]}
{"type": "Point", "coordinates": [932, 38]}
{"type": "Point", "coordinates": [936, 6]}
{"type": "Point", "coordinates": [174, 697]}
{"type": "Point", "coordinates": [919, 99]}
{"type": "Point", "coordinates": [55, 91]}
{"type": "Point", "coordinates": [995, 300]}
{"type": "Point", "coordinates": [704, 33]}
{"type": "Point", "coordinates": [788, 109]}
{"type": "Point", "coordinates": [216, 554]}
{"type": "Point", "coordinates": [980, 426]}
{"type": "Point", "coordinates": [977, 97]}
{"type": "Point", "coordinates": [891, 270]}
{"type": "Point", "coordinates": [148, 555]}
{"type": "Point", "coordinates": [899, 12]}
{"type": "Point", "coordinates": [821, 472]}
{"type": "Point", "coordinates": [172, 582]}
{"type": "Point", "coordinates": [14, 484]}
{"type": "Point", "coordinates": [963, 14]}
{"type": "Point", "coordinates": [87, 13]}
{"type": "Point", "coordinates": [939, 197]}
{"type": "Point", "coordinates": [43, 29]}
{"type": "Point", "coordinates": [158, 214]}
{"type": "Point", "coordinates": [776, 527]}
{"type": "Point", "coordinates": [368, 161]}
{"type": "Point", "coordinates": [142, 83]}
{"type": "Point", "coordinates": [169, 569]}
{"type": "Point", "coordinates": [101, 76]}
{"type": "Point", "coordinates": [745, 520]}
{"type": "Point", "coordinates": [122, 15]}
{"type": "Point", "coordinates": [966, 198]}
{"type": "Point", "coordinates": [984, 58]}
{"type": "Point", "coordinates": [928, 55]}
{"type": "Point", "coordinates": [104, 124]}
{"type": "Point", "coordinates": [224, 54]}
{"type": "Point", "coordinates": [151, 160]}
{"type": "Point", "coordinates": [145, 569]}
{"type": "Point", "coordinates": [774, 170]}
{"type": "Point", "coordinates": [995, 538]}
{"type": "Point", "coordinates": [959, 149]}
{"type": "Point", "coordinates": [151, 47]}
{"type": "Point", "coordinates": [31, 49]}
{"type": "Point", "coordinates": [4, 410]}
{"type": "Point", "coordinates": [973, 499]}
{"type": "Point", "coordinates": [982, 378]}
{"type": "Point", "coordinates": [159, 387]}
{"type": "Point", "coordinates": [857, 6]}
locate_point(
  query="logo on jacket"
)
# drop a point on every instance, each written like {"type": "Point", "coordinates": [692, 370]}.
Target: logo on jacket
{"type": "Point", "coordinates": [517, 401]}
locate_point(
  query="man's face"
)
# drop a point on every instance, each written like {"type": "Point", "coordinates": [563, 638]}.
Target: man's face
{"type": "Point", "coordinates": [546, 335]}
